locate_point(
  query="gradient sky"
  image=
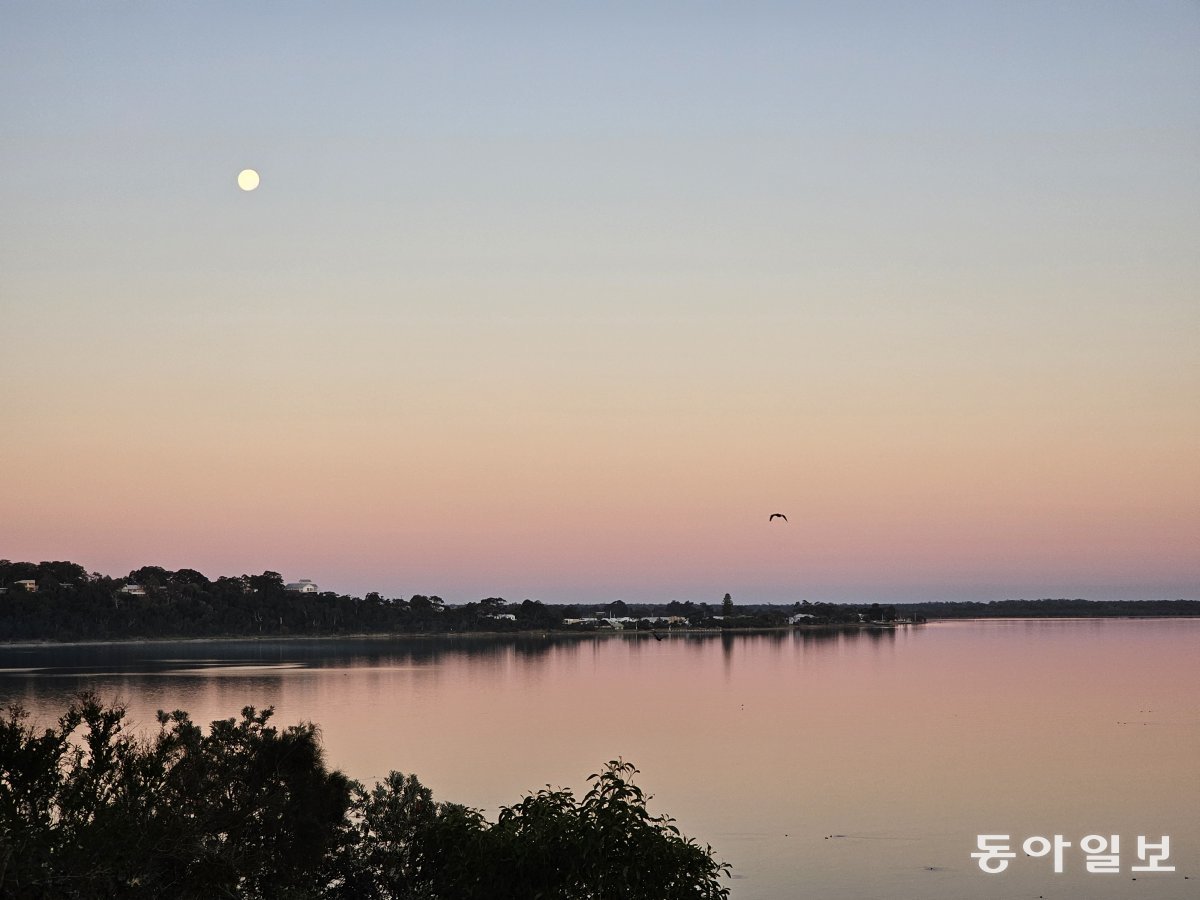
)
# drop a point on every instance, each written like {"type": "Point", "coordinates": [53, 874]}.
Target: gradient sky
{"type": "Point", "coordinates": [561, 300]}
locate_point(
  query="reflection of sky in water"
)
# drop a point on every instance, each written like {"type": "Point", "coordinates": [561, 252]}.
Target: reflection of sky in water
{"type": "Point", "coordinates": [852, 764]}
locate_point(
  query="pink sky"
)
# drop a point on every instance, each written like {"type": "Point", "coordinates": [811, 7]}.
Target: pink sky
{"type": "Point", "coordinates": [570, 322]}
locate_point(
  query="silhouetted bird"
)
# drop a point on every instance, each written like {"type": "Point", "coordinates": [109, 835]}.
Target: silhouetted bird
{"type": "Point", "coordinates": [776, 516]}
{"type": "Point", "coordinates": [656, 637]}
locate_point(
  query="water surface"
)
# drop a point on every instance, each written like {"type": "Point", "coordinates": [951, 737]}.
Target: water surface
{"type": "Point", "coordinates": [857, 765]}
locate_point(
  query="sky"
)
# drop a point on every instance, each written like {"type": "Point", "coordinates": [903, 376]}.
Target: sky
{"type": "Point", "coordinates": [562, 300]}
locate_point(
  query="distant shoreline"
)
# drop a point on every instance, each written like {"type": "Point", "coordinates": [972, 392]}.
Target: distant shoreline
{"type": "Point", "coordinates": [60, 603]}
{"type": "Point", "coordinates": [563, 633]}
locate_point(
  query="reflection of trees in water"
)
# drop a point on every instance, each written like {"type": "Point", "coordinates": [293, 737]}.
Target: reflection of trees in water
{"type": "Point", "coordinates": [835, 634]}
{"type": "Point", "coordinates": [215, 656]}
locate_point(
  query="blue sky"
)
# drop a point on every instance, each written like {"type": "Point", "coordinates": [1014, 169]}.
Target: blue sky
{"type": "Point", "coordinates": [603, 276]}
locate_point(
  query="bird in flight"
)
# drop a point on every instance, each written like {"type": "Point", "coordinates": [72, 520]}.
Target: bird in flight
{"type": "Point", "coordinates": [776, 515]}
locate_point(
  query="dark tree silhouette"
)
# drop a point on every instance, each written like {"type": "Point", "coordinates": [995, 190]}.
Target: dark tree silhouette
{"type": "Point", "coordinates": [250, 811]}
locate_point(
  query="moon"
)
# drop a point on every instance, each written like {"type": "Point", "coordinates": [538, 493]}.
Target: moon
{"type": "Point", "coordinates": [247, 179]}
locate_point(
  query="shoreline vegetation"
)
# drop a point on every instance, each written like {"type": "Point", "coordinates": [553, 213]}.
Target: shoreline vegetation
{"type": "Point", "coordinates": [61, 603]}
{"type": "Point", "coordinates": [248, 810]}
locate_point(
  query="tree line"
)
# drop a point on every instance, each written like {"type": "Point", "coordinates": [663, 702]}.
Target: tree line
{"type": "Point", "coordinates": [250, 811]}
{"type": "Point", "coordinates": [71, 604]}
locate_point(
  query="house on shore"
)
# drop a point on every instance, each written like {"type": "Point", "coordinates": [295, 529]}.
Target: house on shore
{"type": "Point", "coordinates": [303, 586]}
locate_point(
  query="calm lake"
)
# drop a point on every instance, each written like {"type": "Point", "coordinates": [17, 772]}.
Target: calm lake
{"type": "Point", "coordinates": [851, 765]}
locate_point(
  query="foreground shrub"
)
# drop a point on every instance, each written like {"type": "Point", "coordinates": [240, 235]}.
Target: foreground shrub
{"type": "Point", "coordinates": [248, 811]}
{"type": "Point", "coordinates": [87, 810]}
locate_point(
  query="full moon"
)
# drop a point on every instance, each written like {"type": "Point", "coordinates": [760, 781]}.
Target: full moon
{"type": "Point", "coordinates": [247, 179]}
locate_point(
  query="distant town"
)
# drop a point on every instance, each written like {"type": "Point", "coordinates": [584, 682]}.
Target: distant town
{"type": "Point", "coordinates": [62, 601]}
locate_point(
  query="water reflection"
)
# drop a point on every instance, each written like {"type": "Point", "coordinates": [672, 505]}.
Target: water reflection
{"type": "Point", "coordinates": [905, 743]}
{"type": "Point", "coordinates": [227, 657]}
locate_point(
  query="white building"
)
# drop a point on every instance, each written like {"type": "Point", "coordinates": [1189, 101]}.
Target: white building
{"type": "Point", "coordinates": [135, 589]}
{"type": "Point", "coordinates": [303, 586]}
